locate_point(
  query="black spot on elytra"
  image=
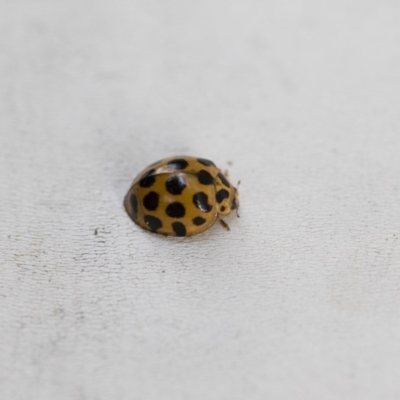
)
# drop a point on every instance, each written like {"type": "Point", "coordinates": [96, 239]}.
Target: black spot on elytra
{"type": "Point", "coordinates": [200, 200]}
{"type": "Point", "coordinates": [134, 204]}
{"type": "Point", "coordinates": [205, 162]}
{"type": "Point", "coordinates": [205, 178]}
{"type": "Point", "coordinates": [175, 210]}
{"type": "Point", "coordinates": [234, 205]}
{"type": "Point", "coordinates": [150, 201]}
{"type": "Point", "coordinates": [179, 229]}
{"type": "Point", "coordinates": [221, 195]}
{"type": "Point", "coordinates": [223, 179]}
{"type": "Point", "coordinates": [147, 179]}
{"type": "Point", "coordinates": [175, 184]}
{"type": "Point", "coordinates": [178, 163]}
{"type": "Point", "coordinates": [198, 221]}
{"type": "Point", "coordinates": [153, 223]}
{"type": "Point", "coordinates": [223, 208]}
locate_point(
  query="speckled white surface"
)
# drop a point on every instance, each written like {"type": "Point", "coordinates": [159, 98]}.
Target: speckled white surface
{"type": "Point", "coordinates": [300, 300]}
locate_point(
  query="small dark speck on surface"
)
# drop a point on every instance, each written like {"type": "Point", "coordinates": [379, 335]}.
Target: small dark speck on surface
{"type": "Point", "coordinates": [230, 163]}
{"type": "Point", "coordinates": [163, 271]}
{"type": "Point", "coordinates": [95, 232]}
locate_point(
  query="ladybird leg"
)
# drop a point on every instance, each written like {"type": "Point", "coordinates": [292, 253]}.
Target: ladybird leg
{"type": "Point", "coordinates": [224, 224]}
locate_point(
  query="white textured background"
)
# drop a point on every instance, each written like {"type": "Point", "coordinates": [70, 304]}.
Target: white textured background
{"type": "Point", "coordinates": [301, 300]}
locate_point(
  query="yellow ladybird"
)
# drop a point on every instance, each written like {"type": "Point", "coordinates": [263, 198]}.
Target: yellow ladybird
{"type": "Point", "coordinates": [180, 196]}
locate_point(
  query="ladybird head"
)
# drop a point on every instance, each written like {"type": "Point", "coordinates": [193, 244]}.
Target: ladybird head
{"type": "Point", "coordinates": [235, 201]}
{"type": "Point", "coordinates": [227, 198]}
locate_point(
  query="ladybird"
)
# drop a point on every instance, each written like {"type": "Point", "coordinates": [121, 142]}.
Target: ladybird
{"type": "Point", "coordinates": [180, 196]}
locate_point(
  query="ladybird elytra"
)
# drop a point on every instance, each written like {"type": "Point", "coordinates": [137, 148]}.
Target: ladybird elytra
{"type": "Point", "coordinates": [180, 196]}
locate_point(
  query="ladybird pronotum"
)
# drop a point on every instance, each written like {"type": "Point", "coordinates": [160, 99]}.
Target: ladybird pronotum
{"type": "Point", "coordinates": [180, 196]}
